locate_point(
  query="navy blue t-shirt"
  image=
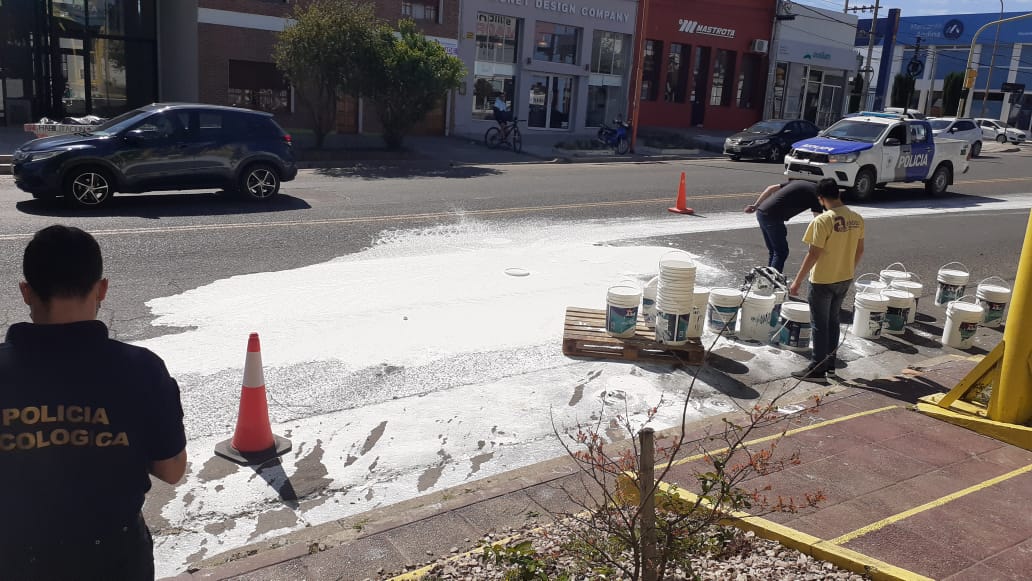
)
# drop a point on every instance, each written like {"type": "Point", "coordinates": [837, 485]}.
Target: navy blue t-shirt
{"type": "Point", "coordinates": [82, 416]}
{"type": "Point", "coordinates": [791, 200]}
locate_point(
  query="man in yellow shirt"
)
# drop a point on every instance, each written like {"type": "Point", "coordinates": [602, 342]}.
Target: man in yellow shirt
{"type": "Point", "coordinates": [836, 239]}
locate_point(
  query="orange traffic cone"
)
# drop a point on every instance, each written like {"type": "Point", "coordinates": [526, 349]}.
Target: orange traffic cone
{"type": "Point", "coordinates": [681, 207]}
{"type": "Point", "coordinates": [253, 442]}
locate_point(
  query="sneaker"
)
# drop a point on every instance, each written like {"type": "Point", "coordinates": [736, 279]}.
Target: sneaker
{"type": "Point", "coordinates": [810, 373]}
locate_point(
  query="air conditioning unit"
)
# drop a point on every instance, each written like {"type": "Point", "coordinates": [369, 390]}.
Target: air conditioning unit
{"type": "Point", "coordinates": [759, 45]}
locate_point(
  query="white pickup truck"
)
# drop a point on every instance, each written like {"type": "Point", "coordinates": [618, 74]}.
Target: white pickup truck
{"type": "Point", "coordinates": [869, 149]}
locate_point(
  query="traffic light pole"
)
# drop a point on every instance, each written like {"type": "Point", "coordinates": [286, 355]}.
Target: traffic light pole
{"type": "Point", "coordinates": [970, 75]}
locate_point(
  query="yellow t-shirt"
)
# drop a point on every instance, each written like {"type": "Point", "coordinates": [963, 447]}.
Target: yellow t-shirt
{"type": "Point", "coordinates": [837, 231]}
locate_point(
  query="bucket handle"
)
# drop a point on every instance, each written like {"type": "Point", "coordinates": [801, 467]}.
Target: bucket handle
{"type": "Point", "coordinates": [889, 267]}
{"type": "Point", "coordinates": [999, 278]}
{"type": "Point", "coordinates": [974, 301]}
{"type": "Point", "coordinates": [856, 282]}
{"type": "Point", "coordinates": [954, 262]}
{"type": "Point", "coordinates": [633, 282]}
{"type": "Point", "coordinates": [675, 251]}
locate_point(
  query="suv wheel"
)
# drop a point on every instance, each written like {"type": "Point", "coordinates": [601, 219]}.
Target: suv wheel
{"type": "Point", "coordinates": [259, 182]}
{"type": "Point", "coordinates": [863, 187]}
{"type": "Point", "coordinates": [976, 149]}
{"type": "Point", "coordinates": [88, 187]}
{"type": "Point", "coordinates": [940, 180]}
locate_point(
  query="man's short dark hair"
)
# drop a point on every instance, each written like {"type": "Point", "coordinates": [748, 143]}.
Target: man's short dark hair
{"type": "Point", "coordinates": [62, 261]}
{"type": "Point", "coordinates": [828, 189]}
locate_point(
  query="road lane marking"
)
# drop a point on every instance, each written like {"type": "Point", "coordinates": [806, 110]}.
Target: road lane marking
{"type": "Point", "coordinates": [928, 506]}
{"type": "Point", "coordinates": [779, 435]}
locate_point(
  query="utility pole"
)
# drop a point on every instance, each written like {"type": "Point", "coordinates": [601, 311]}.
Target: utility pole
{"type": "Point", "coordinates": [869, 69]}
{"type": "Point", "coordinates": [992, 61]}
{"type": "Point", "coordinates": [914, 69]}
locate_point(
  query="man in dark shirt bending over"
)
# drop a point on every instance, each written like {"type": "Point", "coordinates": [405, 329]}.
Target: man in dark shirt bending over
{"type": "Point", "coordinates": [776, 205]}
{"type": "Point", "coordinates": [84, 421]}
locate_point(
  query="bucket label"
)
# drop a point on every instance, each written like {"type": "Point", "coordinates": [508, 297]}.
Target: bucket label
{"type": "Point", "coordinates": [993, 311]}
{"type": "Point", "coordinates": [672, 328]}
{"type": "Point", "coordinates": [896, 319]}
{"type": "Point", "coordinates": [621, 319]}
{"type": "Point", "coordinates": [795, 335]}
{"type": "Point", "coordinates": [967, 331]}
{"type": "Point", "coordinates": [775, 314]}
{"type": "Point", "coordinates": [719, 317]}
{"type": "Point", "coordinates": [949, 292]}
{"type": "Point", "coordinates": [875, 322]}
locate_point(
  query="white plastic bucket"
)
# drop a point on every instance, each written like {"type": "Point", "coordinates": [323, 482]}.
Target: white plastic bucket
{"type": "Point", "coordinates": [754, 324]}
{"type": "Point", "coordinates": [897, 311]}
{"type": "Point", "coordinates": [723, 309]}
{"type": "Point", "coordinates": [952, 283]}
{"type": "Point", "coordinates": [866, 285]}
{"type": "Point", "coordinates": [648, 302]}
{"type": "Point", "coordinates": [795, 326]}
{"type": "Point", "coordinates": [993, 298]}
{"type": "Point", "coordinates": [622, 303]}
{"type": "Point", "coordinates": [672, 328]}
{"type": "Point", "coordinates": [961, 323]}
{"type": "Point", "coordinates": [890, 275]}
{"type": "Point", "coordinates": [913, 287]}
{"type": "Point", "coordinates": [697, 321]}
{"type": "Point", "coordinates": [869, 315]}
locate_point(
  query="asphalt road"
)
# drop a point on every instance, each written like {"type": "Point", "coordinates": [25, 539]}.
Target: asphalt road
{"type": "Point", "coordinates": [189, 246]}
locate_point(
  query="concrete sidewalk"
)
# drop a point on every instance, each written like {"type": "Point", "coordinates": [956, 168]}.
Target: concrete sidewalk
{"type": "Point", "coordinates": [908, 497]}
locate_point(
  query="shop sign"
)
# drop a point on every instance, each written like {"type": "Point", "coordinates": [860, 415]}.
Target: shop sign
{"type": "Point", "coordinates": [827, 56]}
{"type": "Point", "coordinates": [572, 8]}
{"type": "Point", "coordinates": [496, 25]}
{"type": "Point", "coordinates": [694, 27]}
{"type": "Point", "coordinates": [450, 45]}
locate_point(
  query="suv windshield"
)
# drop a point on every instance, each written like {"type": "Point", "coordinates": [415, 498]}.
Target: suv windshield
{"type": "Point", "coordinates": [851, 130]}
{"type": "Point", "coordinates": [120, 123]}
{"type": "Point", "coordinates": [940, 123]}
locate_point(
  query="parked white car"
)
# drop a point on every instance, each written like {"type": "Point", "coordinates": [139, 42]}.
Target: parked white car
{"type": "Point", "coordinates": [962, 129]}
{"type": "Point", "coordinates": [1000, 131]}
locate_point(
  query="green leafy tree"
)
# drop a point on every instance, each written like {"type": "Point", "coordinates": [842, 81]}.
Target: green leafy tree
{"type": "Point", "coordinates": [323, 54]}
{"type": "Point", "coordinates": [407, 78]}
{"type": "Point", "coordinates": [856, 94]}
{"type": "Point", "coordinates": [952, 87]}
{"type": "Point", "coordinates": [902, 90]}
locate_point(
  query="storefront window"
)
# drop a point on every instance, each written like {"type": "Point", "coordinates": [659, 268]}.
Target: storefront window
{"type": "Point", "coordinates": [417, 10]}
{"type": "Point", "coordinates": [723, 75]}
{"type": "Point", "coordinates": [607, 96]}
{"type": "Point", "coordinates": [677, 73]}
{"type": "Point", "coordinates": [121, 17]}
{"type": "Point", "coordinates": [650, 70]}
{"type": "Point", "coordinates": [494, 71]}
{"type": "Point", "coordinates": [257, 85]}
{"type": "Point", "coordinates": [1001, 66]}
{"type": "Point", "coordinates": [748, 82]}
{"type": "Point", "coordinates": [556, 43]}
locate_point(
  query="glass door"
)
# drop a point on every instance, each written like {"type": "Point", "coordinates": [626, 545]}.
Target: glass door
{"type": "Point", "coordinates": [811, 102]}
{"type": "Point", "coordinates": [550, 102]}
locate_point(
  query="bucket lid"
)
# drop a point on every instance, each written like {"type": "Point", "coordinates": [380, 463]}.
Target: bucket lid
{"type": "Point", "coordinates": [725, 297]}
{"type": "Point", "coordinates": [629, 292]}
{"type": "Point", "coordinates": [952, 276]}
{"type": "Point", "coordinates": [891, 275]}
{"type": "Point", "coordinates": [796, 311]}
{"type": "Point", "coordinates": [676, 265]}
{"type": "Point", "coordinates": [909, 285]}
{"type": "Point", "coordinates": [993, 292]}
{"type": "Point", "coordinates": [898, 298]}
{"type": "Point", "coordinates": [972, 311]}
{"type": "Point", "coordinates": [871, 300]}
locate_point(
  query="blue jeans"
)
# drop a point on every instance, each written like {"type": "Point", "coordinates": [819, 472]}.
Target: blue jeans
{"type": "Point", "coordinates": [825, 303]}
{"type": "Point", "coordinates": [775, 236]}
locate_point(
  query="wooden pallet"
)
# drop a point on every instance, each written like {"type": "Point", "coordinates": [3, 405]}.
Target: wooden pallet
{"type": "Point", "coordinates": [584, 335]}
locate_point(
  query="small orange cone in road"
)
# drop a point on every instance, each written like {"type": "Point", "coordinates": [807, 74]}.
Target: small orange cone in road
{"type": "Point", "coordinates": [253, 442]}
{"type": "Point", "coordinates": [682, 201]}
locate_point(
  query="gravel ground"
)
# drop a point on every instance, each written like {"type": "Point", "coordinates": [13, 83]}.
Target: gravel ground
{"type": "Point", "coordinates": [751, 559]}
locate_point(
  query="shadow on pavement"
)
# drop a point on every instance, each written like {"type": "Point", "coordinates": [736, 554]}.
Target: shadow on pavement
{"type": "Point", "coordinates": [160, 205]}
{"type": "Point", "coordinates": [430, 169]}
{"type": "Point", "coordinates": [272, 473]}
{"type": "Point", "coordinates": [908, 390]}
{"type": "Point", "coordinates": [713, 376]}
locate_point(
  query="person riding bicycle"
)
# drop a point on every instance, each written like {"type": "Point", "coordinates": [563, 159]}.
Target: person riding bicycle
{"type": "Point", "coordinates": [502, 114]}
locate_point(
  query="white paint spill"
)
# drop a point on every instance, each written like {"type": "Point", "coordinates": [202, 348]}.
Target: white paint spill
{"type": "Point", "coordinates": [425, 298]}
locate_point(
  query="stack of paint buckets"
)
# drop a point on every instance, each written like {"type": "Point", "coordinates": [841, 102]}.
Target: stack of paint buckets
{"type": "Point", "coordinates": [675, 297]}
{"type": "Point", "coordinates": [962, 318]}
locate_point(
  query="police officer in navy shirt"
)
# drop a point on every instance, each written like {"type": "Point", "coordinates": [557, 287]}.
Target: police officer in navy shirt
{"type": "Point", "coordinates": [84, 421]}
{"type": "Point", "coordinates": [776, 205]}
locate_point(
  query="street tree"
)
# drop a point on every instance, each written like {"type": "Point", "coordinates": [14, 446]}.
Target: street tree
{"type": "Point", "coordinates": [952, 88]}
{"type": "Point", "coordinates": [407, 78]}
{"type": "Point", "coordinates": [902, 90]}
{"type": "Point", "coordinates": [323, 54]}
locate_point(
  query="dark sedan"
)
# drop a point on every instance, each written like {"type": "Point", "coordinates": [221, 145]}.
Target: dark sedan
{"type": "Point", "coordinates": [770, 140]}
{"type": "Point", "coordinates": [174, 146]}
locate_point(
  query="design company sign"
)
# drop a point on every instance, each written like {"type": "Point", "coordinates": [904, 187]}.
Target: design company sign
{"type": "Point", "coordinates": [572, 8]}
{"type": "Point", "coordinates": [694, 27]}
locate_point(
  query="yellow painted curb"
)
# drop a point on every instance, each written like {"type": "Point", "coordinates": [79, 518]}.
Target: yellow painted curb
{"type": "Point", "coordinates": [1014, 434]}
{"type": "Point", "coordinates": [810, 545]}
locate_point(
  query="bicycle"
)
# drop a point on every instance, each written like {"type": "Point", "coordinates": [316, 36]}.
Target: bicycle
{"type": "Point", "coordinates": [510, 135]}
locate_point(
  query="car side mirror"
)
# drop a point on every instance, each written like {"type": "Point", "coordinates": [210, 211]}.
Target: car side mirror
{"type": "Point", "coordinates": [892, 142]}
{"type": "Point", "coordinates": [953, 129]}
{"type": "Point", "coordinates": [788, 131]}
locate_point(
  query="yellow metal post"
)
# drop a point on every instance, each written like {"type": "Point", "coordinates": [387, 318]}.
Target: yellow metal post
{"type": "Point", "coordinates": [1012, 400]}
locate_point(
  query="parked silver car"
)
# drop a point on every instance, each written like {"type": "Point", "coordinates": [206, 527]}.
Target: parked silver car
{"type": "Point", "coordinates": [958, 128]}
{"type": "Point", "coordinates": [1000, 131]}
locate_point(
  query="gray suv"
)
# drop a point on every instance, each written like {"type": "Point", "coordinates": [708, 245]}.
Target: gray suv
{"type": "Point", "coordinates": [164, 146]}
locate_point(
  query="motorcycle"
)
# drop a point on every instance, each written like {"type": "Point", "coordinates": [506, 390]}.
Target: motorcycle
{"type": "Point", "coordinates": [617, 137]}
